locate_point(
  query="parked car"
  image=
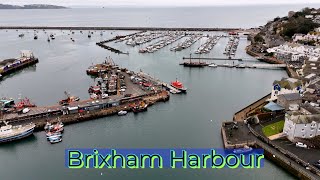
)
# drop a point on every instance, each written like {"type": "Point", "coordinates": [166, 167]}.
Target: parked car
{"type": "Point", "coordinates": [300, 144]}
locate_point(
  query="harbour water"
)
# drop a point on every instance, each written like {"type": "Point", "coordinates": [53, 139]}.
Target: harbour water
{"type": "Point", "coordinates": [186, 121]}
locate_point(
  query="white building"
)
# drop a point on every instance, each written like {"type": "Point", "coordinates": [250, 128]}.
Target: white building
{"type": "Point", "coordinates": [299, 125]}
{"type": "Point", "coordinates": [298, 37]}
{"type": "Point", "coordinates": [309, 16]}
{"type": "Point", "coordinates": [285, 86]}
{"type": "Point", "coordinates": [297, 50]}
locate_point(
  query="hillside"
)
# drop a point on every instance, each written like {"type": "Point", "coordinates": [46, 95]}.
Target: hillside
{"type": "Point", "coordinates": [281, 29]}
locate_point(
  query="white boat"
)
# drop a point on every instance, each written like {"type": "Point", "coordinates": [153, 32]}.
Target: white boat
{"type": "Point", "coordinates": [122, 113]}
{"type": "Point", "coordinates": [241, 65]}
{"type": "Point", "coordinates": [11, 133]}
{"type": "Point", "coordinates": [55, 140]}
{"type": "Point", "coordinates": [25, 110]}
{"type": "Point", "coordinates": [213, 65]}
{"type": "Point", "coordinates": [226, 65]}
{"type": "Point", "coordinates": [104, 96]}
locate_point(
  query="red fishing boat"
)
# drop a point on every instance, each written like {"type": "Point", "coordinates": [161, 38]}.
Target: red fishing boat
{"type": "Point", "coordinates": [69, 99]}
{"type": "Point", "coordinates": [178, 85]}
{"type": "Point", "coordinates": [24, 103]}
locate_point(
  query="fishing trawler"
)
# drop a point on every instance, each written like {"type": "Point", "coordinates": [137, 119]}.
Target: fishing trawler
{"type": "Point", "coordinates": [11, 133]}
{"type": "Point", "coordinates": [140, 107]}
{"type": "Point", "coordinates": [24, 103]}
{"type": "Point", "coordinates": [69, 99]}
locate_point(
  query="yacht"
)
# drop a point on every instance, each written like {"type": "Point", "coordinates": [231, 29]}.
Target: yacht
{"type": "Point", "coordinates": [213, 65]}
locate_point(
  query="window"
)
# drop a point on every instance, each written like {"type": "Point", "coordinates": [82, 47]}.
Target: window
{"type": "Point", "coordinates": [310, 135]}
{"type": "Point", "coordinates": [305, 125]}
{"type": "Point", "coordinates": [302, 130]}
{"type": "Point", "coordinates": [303, 136]}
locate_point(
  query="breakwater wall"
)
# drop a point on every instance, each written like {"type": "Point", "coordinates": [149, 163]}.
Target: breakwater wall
{"type": "Point", "coordinates": [120, 28]}
{"type": "Point", "coordinates": [242, 114]}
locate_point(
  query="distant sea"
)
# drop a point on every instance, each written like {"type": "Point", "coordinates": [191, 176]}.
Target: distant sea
{"type": "Point", "coordinates": [218, 16]}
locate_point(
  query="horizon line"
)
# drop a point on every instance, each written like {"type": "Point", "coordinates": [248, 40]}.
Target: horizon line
{"type": "Point", "coordinates": [167, 6]}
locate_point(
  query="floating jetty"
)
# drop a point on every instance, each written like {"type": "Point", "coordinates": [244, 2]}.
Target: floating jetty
{"type": "Point", "coordinates": [9, 66]}
{"type": "Point", "coordinates": [110, 48]}
{"type": "Point", "coordinates": [102, 43]}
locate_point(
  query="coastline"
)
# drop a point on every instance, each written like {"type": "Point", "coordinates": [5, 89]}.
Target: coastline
{"type": "Point", "coordinates": [281, 157]}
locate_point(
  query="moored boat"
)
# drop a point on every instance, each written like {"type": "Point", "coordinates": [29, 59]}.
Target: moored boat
{"type": "Point", "coordinates": [244, 150]}
{"type": "Point", "coordinates": [213, 65]}
{"type": "Point", "coordinates": [54, 140]}
{"type": "Point", "coordinates": [178, 85]}
{"type": "Point", "coordinates": [69, 99]}
{"type": "Point", "coordinates": [11, 133]}
{"type": "Point", "coordinates": [122, 113]}
{"type": "Point", "coordinates": [140, 107]}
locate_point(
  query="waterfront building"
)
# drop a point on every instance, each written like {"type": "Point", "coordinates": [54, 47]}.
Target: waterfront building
{"type": "Point", "coordinates": [285, 86]}
{"type": "Point", "coordinates": [285, 100]}
{"type": "Point", "coordinates": [299, 125]}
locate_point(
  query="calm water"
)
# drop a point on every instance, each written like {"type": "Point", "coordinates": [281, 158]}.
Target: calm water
{"type": "Point", "coordinates": [231, 16]}
{"type": "Point", "coordinates": [186, 121]}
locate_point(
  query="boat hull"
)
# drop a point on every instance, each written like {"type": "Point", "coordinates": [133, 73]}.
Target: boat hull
{"type": "Point", "coordinates": [18, 136]}
{"type": "Point", "coordinates": [137, 110]}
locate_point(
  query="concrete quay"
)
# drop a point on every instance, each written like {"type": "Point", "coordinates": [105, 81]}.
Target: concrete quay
{"type": "Point", "coordinates": [41, 118]}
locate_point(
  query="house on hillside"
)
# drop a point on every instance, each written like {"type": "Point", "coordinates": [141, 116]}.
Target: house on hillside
{"type": "Point", "coordinates": [299, 125]}
{"type": "Point", "coordinates": [285, 86]}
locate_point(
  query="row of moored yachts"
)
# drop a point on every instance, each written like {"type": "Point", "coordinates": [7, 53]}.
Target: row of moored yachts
{"type": "Point", "coordinates": [208, 45]}
{"type": "Point", "coordinates": [173, 37]}
{"type": "Point", "coordinates": [232, 46]}
{"type": "Point", "coordinates": [187, 43]}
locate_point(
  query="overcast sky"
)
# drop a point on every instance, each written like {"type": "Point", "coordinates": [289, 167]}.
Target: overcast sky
{"type": "Point", "coordinates": [155, 2]}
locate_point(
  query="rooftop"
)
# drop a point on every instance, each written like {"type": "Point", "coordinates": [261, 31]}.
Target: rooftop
{"type": "Point", "coordinates": [288, 83]}
{"type": "Point", "coordinates": [273, 106]}
{"type": "Point", "coordinates": [310, 108]}
{"type": "Point", "coordinates": [291, 96]}
{"type": "Point", "coordinates": [305, 119]}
